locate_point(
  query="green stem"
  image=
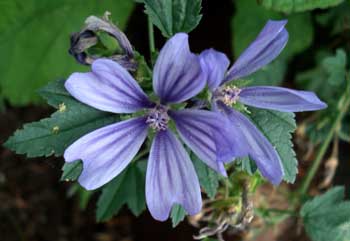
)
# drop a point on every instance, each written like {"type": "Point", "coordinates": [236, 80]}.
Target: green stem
{"type": "Point", "coordinates": [152, 48]}
{"type": "Point", "coordinates": [343, 106]}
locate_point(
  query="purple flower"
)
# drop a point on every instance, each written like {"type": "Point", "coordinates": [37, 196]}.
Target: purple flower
{"type": "Point", "coordinates": [171, 177]}
{"type": "Point", "coordinates": [266, 47]}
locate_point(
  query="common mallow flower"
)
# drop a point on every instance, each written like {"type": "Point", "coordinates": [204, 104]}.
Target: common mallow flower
{"type": "Point", "coordinates": [266, 47]}
{"type": "Point", "coordinates": [171, 178]}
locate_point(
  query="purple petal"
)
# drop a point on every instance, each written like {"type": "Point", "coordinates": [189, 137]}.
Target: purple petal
{"type": "Point", "coordinates": [105, 152]}
{"type": "Point", "coordinates": [260, 149]}
{"type": "Point", "coordinates": [215, 64]}
{"type": "Point", "coordinates": [265, 48]}
{"type": "Point", "coordinates": [177, 74]}
{"type": "Point", "coordinates": [205, 132]}
{"type": "Point", "coordinates": [171, 178]}
{"type": "Point", "coordinates": [109, 87]}
{"type": "Point", "coordinates": [281, 99]}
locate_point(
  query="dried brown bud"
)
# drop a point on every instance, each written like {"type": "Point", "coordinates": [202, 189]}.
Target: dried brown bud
{"type": "Point", "coordinates": [88, 45]}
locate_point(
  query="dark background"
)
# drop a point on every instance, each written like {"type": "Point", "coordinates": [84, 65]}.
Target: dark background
{"type": "Point", "coordinates": [34, 205]}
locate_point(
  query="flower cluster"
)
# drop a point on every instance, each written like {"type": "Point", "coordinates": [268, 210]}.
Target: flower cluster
{"type": "Point", "coordinates": [217, 134]}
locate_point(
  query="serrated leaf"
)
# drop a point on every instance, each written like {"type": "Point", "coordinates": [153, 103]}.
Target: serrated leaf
{"type": "Point", "coordinates": [327, 217]}
{"type": "Point", "coordinates": [71, 171]}
{"type": "Point", "coordinates": [51, 136]}
{"type": "Point", "coordinates": [127, 188]}
{"type": "Point", "coordinates": [277, 127]}
{"type": "Point", "coordinates": [288, 6]}
{"type": "Point", "coordinates": [208, 178]}
{"type": "Point", "coordinates": [173, 16]}
{"type": "Point", "coordinates": [178, 214]}
{"type": "Point", "coordinates": [35, 38]}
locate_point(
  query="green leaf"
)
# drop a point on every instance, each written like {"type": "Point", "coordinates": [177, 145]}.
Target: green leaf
{"type": "Point", "coordinates": [177, 215]}
{"type": "Point", "coordinates": [333, 196]}
{"type": "Point", "coordinates": [248, 165]}
{"type": "Point", "coordinates": [246, 27]}
{"type": "Point", "coordinates": [35, 39]}
{"type": "Point", "coordinates": [173, 16]}
{"type": "Point", "coordinates": [51, 136]}
{"type": "Point", "coordinates": [335, 18]}
{"type": "Point", "coordinates": [55, 93]}
{"type": "Point", "coordinates": [127, 188]}
{"type": "Point", "coordinates": [277, 127]}
{"type": "Point", "coordinates": [208, 178]}
{"type": "Point", "coordinates": [245, 30]}
{"type": "Point", "coordinates": [327, 79]}
{"type": "Point", "coordinates": [288, 6]}
{"type": "Point", "coordinates": [71, 171]}
{"type": "Point", "coordinates": [327, 217]}
{"type": "Point", "coordinates": [335, 67]}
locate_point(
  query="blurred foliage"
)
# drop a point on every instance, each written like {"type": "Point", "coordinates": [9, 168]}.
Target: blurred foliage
{"type": "Point", "coordinates": [83, 195]}
{"type": "Point", "coordinates": [288, 6]}
{"type": "Point", "coordinates": [245, 28]}
{"type": "Point", "coordinates": [326, 217]}
{"type": "Point", "coordinates": [336, 19]}
{"type": "Point", "coordinates": [328, 80]}
{"type": "Point", "coordinates": [35, 40]}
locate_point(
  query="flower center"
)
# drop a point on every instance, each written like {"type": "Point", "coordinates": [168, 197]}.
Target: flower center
{"type": "Point", "coordinates": [158, 118]}
{"type": "Point", "coordinates": [228, 95]}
